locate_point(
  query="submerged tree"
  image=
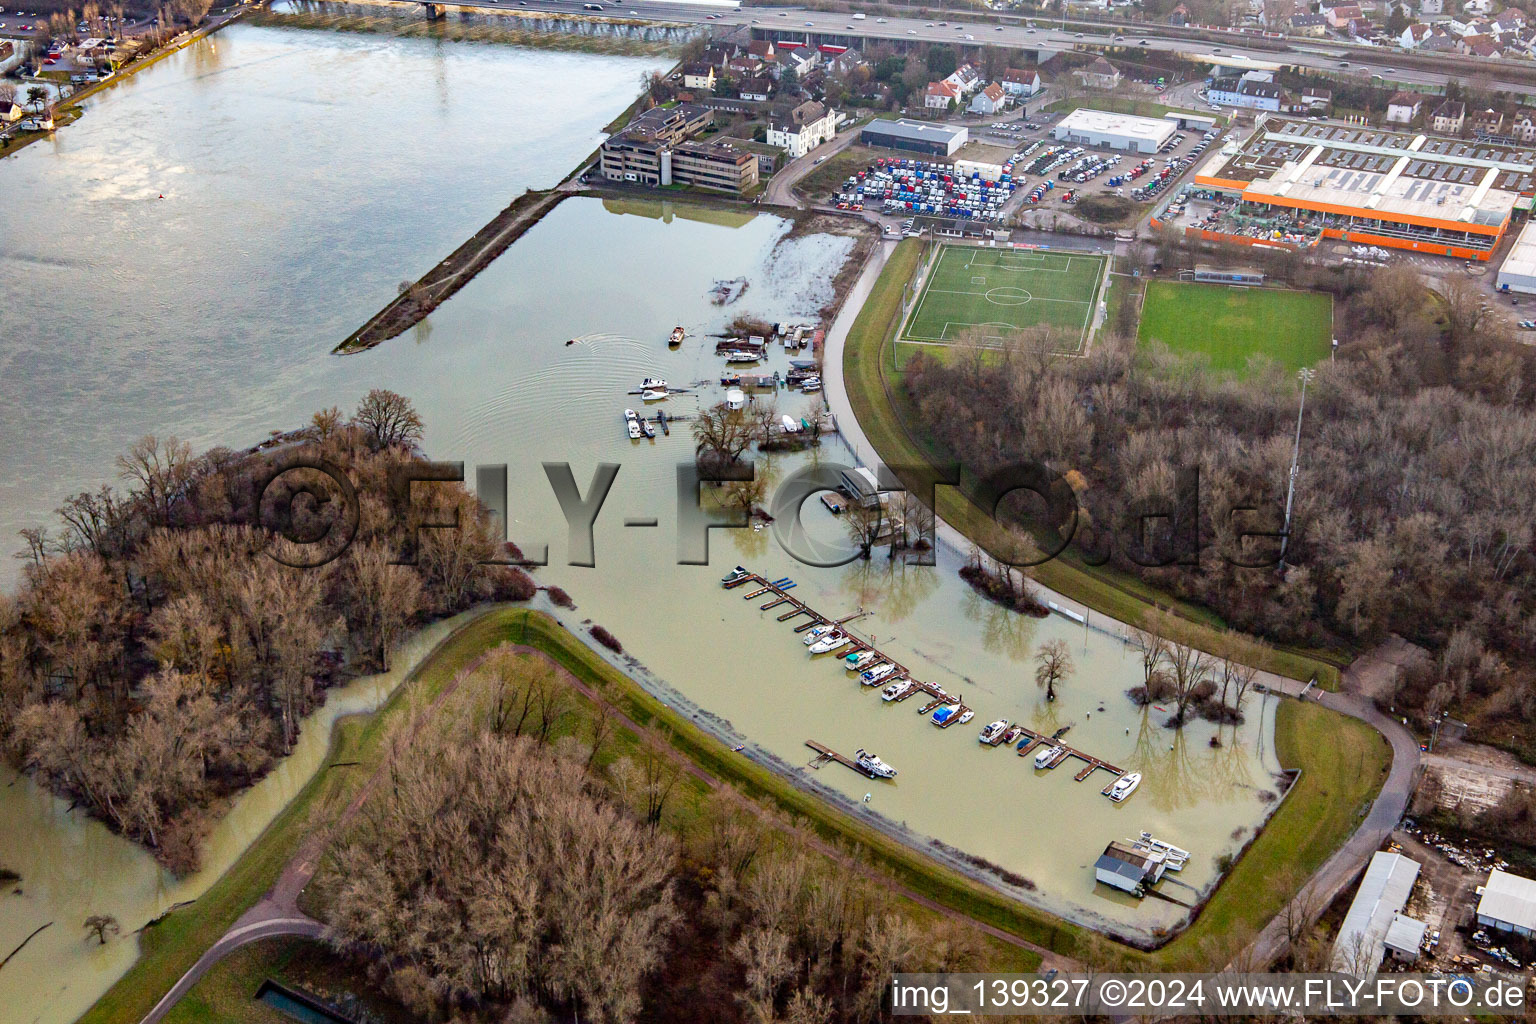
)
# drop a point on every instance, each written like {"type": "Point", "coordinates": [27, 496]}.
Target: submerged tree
{"type": "Point", "coordinates": [1053, 664]}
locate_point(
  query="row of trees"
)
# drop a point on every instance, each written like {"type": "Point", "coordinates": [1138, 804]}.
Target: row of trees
{"type": "Point", "coordinates": [163, 648]}
{"type": "Point", "coordinates": [1413, 506]}
{"type": "Point", "coordinates": [517, 874]}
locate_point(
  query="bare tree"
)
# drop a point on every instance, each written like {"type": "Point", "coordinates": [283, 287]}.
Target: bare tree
{"type": "Point", "coordinates": [1053, 664]}
{"type": "Point", "coordinates": [101, 926]}
{"type": "Point", "coordinates": [389, 420]}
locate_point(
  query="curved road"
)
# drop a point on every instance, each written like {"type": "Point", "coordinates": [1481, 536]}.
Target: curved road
{"type": "Point", "coordinates": [1390, 805]}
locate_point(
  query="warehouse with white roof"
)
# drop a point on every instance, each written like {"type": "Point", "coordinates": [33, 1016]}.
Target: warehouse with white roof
{"type": "Point", "coordinates": [1518, 271]}
{"type": "Point", "coordinates": [1362, 938]}
{"type": "Point", "coordinates": [1508, 903]}
{"type": "Point", "coordinates": [1106, 130]}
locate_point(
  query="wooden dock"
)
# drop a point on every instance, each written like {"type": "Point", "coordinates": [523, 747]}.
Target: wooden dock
{"type": "Point", "coordinates": [778, 591]}
{"type": "Point", "coordinates": [825, 755]}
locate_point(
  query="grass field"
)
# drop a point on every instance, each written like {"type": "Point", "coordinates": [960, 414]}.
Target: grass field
{"type": "Point", "coordinates": [1228, 325]}
{"type": "Point", "coordinates": [1001, 291]}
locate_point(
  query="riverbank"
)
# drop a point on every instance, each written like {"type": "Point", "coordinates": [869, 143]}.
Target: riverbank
{"type": "Point", "coordinates": [71, 110]}
{"type": "Point", "coordinates": [174, 944]}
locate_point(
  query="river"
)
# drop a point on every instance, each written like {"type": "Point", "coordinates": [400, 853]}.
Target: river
{"type": "Point", "coordinates": [293, 208]}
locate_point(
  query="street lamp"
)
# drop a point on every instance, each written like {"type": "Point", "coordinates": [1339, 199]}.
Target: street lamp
{"type": "Point", "coordinates": [1305, 376]}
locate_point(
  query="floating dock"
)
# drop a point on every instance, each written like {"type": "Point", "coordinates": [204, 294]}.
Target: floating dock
{"type": "Point", "coordinates": [778, 592]}
{"type": "Point", "coordinates": [825, 755]}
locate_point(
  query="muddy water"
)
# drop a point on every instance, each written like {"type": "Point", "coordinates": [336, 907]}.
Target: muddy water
{"type": "Point", "coordinates": [239, 289]}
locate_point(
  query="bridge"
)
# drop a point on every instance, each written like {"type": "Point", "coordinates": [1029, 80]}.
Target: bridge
{"type": "Point", "coordinates": [1042, 39]}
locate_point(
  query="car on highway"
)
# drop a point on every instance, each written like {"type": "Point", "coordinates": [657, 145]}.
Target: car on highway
{"type": "Point", "coordinates": [1030, 29]}
{"type": "Point", "coordinates": [928, 25]}
{"type": "Point", "coordinates": [808, 24]}
{"type": "Point", "coordinates": [999, 28]}
{"type": "Point", "coordinates": [1079, 35]}
{"type": "Point", "coordinates": [1142, 43]}
{"type": "Point", "coordinates": [1343, 63]}
{"type": "Point", "coordinates": [879, 21]}
{"type": "Point", "coordinates": [1391, 71]}
{"type": "Point", "coordinates": [911, 31]}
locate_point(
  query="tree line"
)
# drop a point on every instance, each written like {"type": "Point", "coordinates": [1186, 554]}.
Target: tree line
{"type": "Point", "coordinates": [538, 867]}
{"type": "Point", "coordinates": [160, 654]}
{"type": "Point", "coordinates": [1413, 499]}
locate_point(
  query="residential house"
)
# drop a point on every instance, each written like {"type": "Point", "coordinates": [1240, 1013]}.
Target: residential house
{"type": "Point", "coordinates": [1510, 19]}
{"type": "Point", "coordinates": [1340, 17]}
{"type": "Point", "coordinates": [1316, 101]}
{"type": "Point", "coordinates": [1486, 50]}
{"type": "Point", "coordinates": [1256, 90]}
{"type": "Point", "coordinates": [1413, 35]}
{"type": "Point", "coordinates": [847, 62]}
{"type": "Point", "coordinates": [1431, 7]}
{"type": "Point", "coordinates": [761, 48]}
{"type": "Point", "coordinates": [1476, 6]}
{"type": "Point", "coordinates": [940, 95]}
{"type": "Point", "coordinates": [1523, 126]}
{"type": "Point", "coordinates": [1021, 83]}
{"type": "Point", "coordinates": [744, 65]}
{"type": "Point", "coordinates": [966, 78]}
{"type": "Point", "coordinates": [1360, 28]}
{"type": "Point", "coordinates": [1101, 74]}
{"type": "Point", "coordinates": [1179, 16]}
{"type": "Point", "coordinates": [1439, 42]}
{"type": "Point", "coordinates": [10, 111]}
{"type": "Point", "coordinates": [1309, 24]}
{"type": "Point", "coordinates": [1449, 117]}
{"type": "Point", "coordinates": [717, 55]}
{"type": "Point", "coordinates": [1472, 40]}
{"type": "Point", "coordinates": [757, 88]}
{"type": "Point", "coordinates": [800, 129]}
{"type": "Point", "coordinates": [699, 76]}
{"type": "Point", "coordinates": [1487, 122]}
{"type": "Point", "coordinates": [989, 100]}
{"type": "Point", "coordinates": [1404, 107]}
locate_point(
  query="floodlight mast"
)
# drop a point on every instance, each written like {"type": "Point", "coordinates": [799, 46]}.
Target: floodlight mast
{"type": "Point", "coordinates": [1305, 376]}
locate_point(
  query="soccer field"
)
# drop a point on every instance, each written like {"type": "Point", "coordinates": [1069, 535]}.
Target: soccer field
{"type": "Point", "coordinates": [1002, 291]}
{"type": "Point", "coordinates": [1228, 325]}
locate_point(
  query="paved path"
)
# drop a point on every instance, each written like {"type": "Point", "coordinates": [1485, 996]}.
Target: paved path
{"type": "Point", "coordinates": [1390, 805]}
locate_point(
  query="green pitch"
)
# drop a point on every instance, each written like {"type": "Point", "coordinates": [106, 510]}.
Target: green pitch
{"type": "Point", "coordinates": [1002, 291]}
{"type": "Point", "coordinates": [1228, 325]}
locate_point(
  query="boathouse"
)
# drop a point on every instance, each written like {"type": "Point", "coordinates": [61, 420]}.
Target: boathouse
{"type": "Point", "coordinates": [1128, 868]}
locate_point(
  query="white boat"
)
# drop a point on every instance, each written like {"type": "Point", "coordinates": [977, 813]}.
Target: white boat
{"type": "Point", "coordinates": [736, 574]}
{"type": "Point", "coordinates": [1124, 786]}
{"type": "Point", "coordinates": [820, 631]}
{"type": "Point", "coordinates": [994, 730]}
{"type": "Point", "coordinates": [872, 676]}
{"type": "Point", "coordinates": [810, 386]}
{"type": "Point", "coordinates": [1174, 857]}
{"type": "Point", "coordinates": [897, 690]}
{"type": "Point", "coordinates": [966, 717]}
{"type": "Point", "coordinates": [860, 659]}
{"type": "Point", "coordinates": [1046, 755]}
{"type": "Point", "coordinates": [633, 423]}
{"type": "Point", "coordinates": [647, 429]}
{"type": "Point", "coordinates": [831, 642]}
{"type": "Point", "coordinates": [653, 382]}
{"type": "Point", "coordinates": [873, 766]}
{"type": "Point", "coordinates": [654, 395]}
{"type": "Point", "coordinates": [738, 356]}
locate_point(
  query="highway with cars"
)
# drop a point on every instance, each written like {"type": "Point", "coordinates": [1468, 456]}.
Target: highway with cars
{"type": "Point", "coordinates": [1325, 55]}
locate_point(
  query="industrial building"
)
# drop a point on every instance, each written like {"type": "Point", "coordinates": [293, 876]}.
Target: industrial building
{"type": "Point", "coordinates": [1518, 272]}
{"type": "Point", "coordinates": [1105, 130]}
{"type": "Point", "coordinates": [1508, 903]}
{"type": "Point", "coordinates": [1397, 189]}
{"type": "Point", "coordinates": [914, 136]}
{"type": "Point", "coordinates": [1383, 892]}
{"type": "Point", "coordinates": [655, 149]}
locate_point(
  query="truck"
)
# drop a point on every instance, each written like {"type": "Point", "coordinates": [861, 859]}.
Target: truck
{"type": "Point", "coordinates": [858, 17]}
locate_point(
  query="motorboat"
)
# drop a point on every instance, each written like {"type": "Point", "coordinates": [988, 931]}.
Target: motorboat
{"type": "Point", "coordinates": [831, 642]}
{"type": "Point", "coordinates": [633, 423]}
{"type": "Point", "coordinates": [872, 766]}
{"type": "Point", "coordinates": [677, 336]}
{"type": "Point", "coordinates": [945, 713]}
{"type": "Point", "coordinates": [872, 676]}
{"type": "Point", "coordinates": [994, 730]}
{"type": "Point", "coordinates": [966, 716]}
{"type": "Point", "coordinates": [740, 356]}
{"type": "Point", "coordinates": [1048, 756]}
{"type": "Point", "coordinates": [647, 429]}
{"type": "Point", "coordinates": [740, 572]}
{"type": "Point", "coordinates": [860, 659]}
{"type": "Point", "coordinates": [816, 634]}
{"type": "Point", "coordinates": [654, 395]}
{"type": "Point", "coordinates": [653, 384]}
{"type": "Point", "coordinates": [897, 690]}
{"type": "Point", "coordinates": [1124, 786]}
{"type": "Point", "coordinates": [1174, 857]}
{"type": "Point", "coordinates": [810, 386]}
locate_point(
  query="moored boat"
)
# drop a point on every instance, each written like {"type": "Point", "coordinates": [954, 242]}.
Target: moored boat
{"type": "Point", "coordinates": [647, 429]}
{"type": "Point", "coordinates": [872, 676]}
{"type": "Point", "coordinates": [632, 423]}
{"type": "Point", "coordinates": [872, 766]}
{"type": "Point", "coordinates": [653, 384]}
{"type": "Point", "coordinates": [945, 713]}
{"type": "Point", "coordinates": [1124, 786]}
{"type": "Point", "coordinates": [817, 633]}
{"type": "Point", "coordinates": [740, 356]}
{"type": "Point", "coordinates": [966, 716]}
{"type": "Point", "coordinates": [831, 642]}
{"type": "Point", "coordinates": [994, 731]}
{"type": "Point", "coordinates": [677, 336]}
{"type": "Point", "coordinates": [653, 395]}
{"type": "Point", "coordinates": [740, 572]}
{"type": "Point", "coordinates": [897, 690]}
{"type": "Point", "coordinates": [1048, 756]}
{"type": "Point", "coordinates": [860, 660]}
